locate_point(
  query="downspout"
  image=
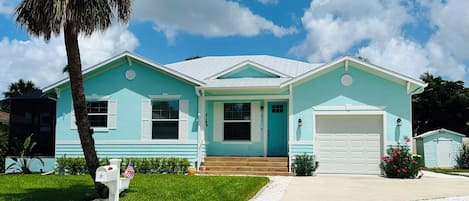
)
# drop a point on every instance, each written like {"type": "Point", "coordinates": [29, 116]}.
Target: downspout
{"type": "Point", "coordinates": [290, 124]}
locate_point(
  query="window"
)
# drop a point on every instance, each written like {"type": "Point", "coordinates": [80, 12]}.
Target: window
{"type": "Point", "coordinates": [97, 113]}
{"type": "Point", "coordinates": [165, 119]}
{"type": "Point", "coordinates": [277, 108]}
{"type": "Point", "coordinates": [237, 121]}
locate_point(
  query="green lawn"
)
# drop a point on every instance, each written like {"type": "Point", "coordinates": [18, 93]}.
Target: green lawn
{"type": "Point", "coordinates": [447, 170]}
{"type": "Point", "coordinates": [142, 187]}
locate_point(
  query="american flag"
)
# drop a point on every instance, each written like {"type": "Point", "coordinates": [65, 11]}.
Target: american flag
{"type": "Point", "coordinates": [129, 171]}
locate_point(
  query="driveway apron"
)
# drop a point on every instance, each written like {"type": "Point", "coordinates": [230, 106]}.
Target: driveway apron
{"type": "Point", "coordinates": [376, 188]}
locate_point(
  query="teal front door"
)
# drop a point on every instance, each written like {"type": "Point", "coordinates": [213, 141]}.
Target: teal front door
{"type": "Point", "coordinates": [277, 133]}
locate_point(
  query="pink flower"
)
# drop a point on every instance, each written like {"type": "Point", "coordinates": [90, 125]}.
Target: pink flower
{"type": "Point", "coordinates": [399, 153]}
{"type": "Point", "coordinates": [404, 170]}
{"type": "Point", "coordinates": [407, 139]}
{"type": "Point", "coordinates": [394, 154]}
{"type": "Point", "coordinates": [422, 168]}
{"type": "Point", "coordinates": [394, 166]}
{"type": "Point", "coordinates": [398, 171]}
{"type": "Point", "coordinates": [384, 158]}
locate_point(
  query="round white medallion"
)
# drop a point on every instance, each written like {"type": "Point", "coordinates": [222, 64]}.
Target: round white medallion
{"type": "Point", "coordinates": [130, 74]}
{"type": "Point", "coordinates": [346, 80]}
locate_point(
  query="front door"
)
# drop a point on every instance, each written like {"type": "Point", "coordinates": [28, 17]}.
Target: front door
{"type": "Point", "coordinates": [277, 135]}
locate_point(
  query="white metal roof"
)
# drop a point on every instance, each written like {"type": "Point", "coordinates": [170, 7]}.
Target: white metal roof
{"type": "Point", "coordinates": [441, 130]}
{"type": "Point", "coordinates": [204, 68]}
{"type": "Point", "coordinates": [245, 82]}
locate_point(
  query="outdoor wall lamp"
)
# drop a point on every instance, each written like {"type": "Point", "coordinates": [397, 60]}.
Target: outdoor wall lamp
{"type": "Point", "coordinates": [398, 122]}
{"type": "Point", "coordinates": [300, 122]}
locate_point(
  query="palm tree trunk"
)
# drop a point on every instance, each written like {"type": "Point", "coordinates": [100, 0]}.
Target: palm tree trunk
{"type": "Point", "coordinates": [79, 101]}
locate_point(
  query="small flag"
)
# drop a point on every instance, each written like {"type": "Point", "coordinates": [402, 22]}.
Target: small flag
{"type": "Point", "coordinates": [129, 171]}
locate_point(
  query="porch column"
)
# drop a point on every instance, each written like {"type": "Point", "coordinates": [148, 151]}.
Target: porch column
{"type": "Point", "coordinates": [290, 124]}
{"type": "Point", "coordinates": [200, 128]}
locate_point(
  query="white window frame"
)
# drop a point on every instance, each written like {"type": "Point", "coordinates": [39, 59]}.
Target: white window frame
{"type": "Point", "coordinates": [99, 114]}
{"type": "Point", "coordinates": [237, 121]}
{"type": "Point", "coordinates": [165, 120]}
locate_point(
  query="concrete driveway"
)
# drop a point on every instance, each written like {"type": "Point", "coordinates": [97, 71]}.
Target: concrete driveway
{"type": "Point", "coordinates": [376, 188]}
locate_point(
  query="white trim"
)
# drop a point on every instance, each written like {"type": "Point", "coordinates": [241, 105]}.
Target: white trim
{"type": "Point", "coordinates": [57, 92]}
{"type": "Point", "coordinates": [121, 142]}
{"type": "Point", "coordinates": [266, 126]}
{"type": "Point", "coordinates": [132, 56]}
{"type": "Point", "coordinates": [243, 64]}
{"type": "Point", "coordinates": [433, 132]}
{"type": "Point", "coordinates": [290, 124]}
{"type": "Point", "coordinates": [306, 142]}
{"type": "Point", "coordinates": [348, 107]}
{"type": "Point", "coordinates": [254, 97]}
{"type": "Point", "coordinates": [165, 96]}
{"type": "Point", "coordinates": [346, 65]}
{"type": "Point", "coordinates": [95, 97]}
{"type": "Point", "coordinates": [236, 142]}
{"type": "Point", "coordinates": [357, 61]}
{"type": "Point", "coordinates": [384, 143]}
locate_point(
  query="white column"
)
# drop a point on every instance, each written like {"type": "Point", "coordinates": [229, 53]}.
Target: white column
{"type": "Point", "coordinates": [290, 124]}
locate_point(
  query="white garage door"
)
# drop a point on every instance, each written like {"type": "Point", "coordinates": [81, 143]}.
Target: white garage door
{"type": "Point", "coordinates": [349, 143]}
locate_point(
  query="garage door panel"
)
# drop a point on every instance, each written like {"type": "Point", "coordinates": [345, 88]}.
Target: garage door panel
{"type": "Point", "coordinates": [349, 143]}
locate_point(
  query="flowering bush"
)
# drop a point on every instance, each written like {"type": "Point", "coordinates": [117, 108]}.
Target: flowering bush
{"type": "Point", "coordinates": [400, 163]}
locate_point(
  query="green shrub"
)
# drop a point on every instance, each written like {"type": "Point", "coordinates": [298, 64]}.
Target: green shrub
{"type": "Point", "coordinates": [77, 166]}
{"type": "Point", "coordinates": [304, 165]}
{"type": "Point", "coordinates": [462, 159]}
{"type": "Point", "coordinates": [400, 163]}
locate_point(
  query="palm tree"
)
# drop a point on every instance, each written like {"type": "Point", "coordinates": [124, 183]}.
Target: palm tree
{"type": "Point", "coordinates": [74, 17]}
{"type": "Point", "coordinates": [19, 88]}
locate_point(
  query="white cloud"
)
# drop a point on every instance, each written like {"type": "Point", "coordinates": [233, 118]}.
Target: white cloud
{"type": "Point", "coordinates": [43, 62]}
{"type": "Point", "coordinates": [337, 27]}
{"type": "Point", "coordinates": [215, 18]}
{"type": "Point", "coordinates": [333, 27]}
{"type": "Point", "coordinates": [399, 54]}
{"type": "Point", "coordinates": [268, 2]}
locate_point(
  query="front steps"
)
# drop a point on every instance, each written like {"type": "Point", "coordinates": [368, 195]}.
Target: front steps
{"type": "Point", "coordinates": [217, 165]}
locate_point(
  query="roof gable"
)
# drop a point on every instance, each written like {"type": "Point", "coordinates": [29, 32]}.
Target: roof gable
{"type": "Point", "coordinates": [248, 69]}
{"type": "Point", "coordinates": [127, 57]}
{"type": "Point", "coordinates": [441, 130]}
{"type": "Point", "coordinates": [413, 85]}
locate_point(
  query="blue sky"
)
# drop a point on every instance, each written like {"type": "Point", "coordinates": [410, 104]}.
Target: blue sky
{"type": "Point", "coordinates": [410, 37]}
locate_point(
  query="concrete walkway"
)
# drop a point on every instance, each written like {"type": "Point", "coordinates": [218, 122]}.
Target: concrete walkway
{"type": "Point", "coordinates": [372, 188]}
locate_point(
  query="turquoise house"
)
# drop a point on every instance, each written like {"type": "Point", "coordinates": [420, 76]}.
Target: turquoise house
{"type": "Point", "coordinates": [439, 148]}
{"type": "Point", "coordinates": [345, 112]}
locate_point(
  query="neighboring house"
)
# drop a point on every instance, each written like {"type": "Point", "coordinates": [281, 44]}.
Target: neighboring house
{"type": "Point", "coordinates": [4, 117]}
{"type": "Point", "coordinates": [439, 148]}
{"type": "Point", "coordinates": [33, 113]}
{"type": "Point", "coordinates": [345, 112]}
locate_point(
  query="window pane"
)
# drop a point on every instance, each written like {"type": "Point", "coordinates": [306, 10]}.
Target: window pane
{"type": "Point", "coordinates": [237, 111]}
{"type": "Point", "coordinates": [98, 120]}
{"type": "Point", "coordinates": [165, 130]}
{"type": "Point", "coordinates": [237, 131]}
{"type": "Point", "coordinates": [96, 106]}
{"type": "Point", "coordinates": [165, 109]}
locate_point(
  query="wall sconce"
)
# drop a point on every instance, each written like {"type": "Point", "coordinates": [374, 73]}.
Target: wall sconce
{"type": "Point", "coordinates": [300, 122]}
{"type": "Point", "coordinates": [398, 122]}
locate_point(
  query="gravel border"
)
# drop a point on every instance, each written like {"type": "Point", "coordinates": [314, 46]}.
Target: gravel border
{"type": "Point", "coordinates": [274, 190]}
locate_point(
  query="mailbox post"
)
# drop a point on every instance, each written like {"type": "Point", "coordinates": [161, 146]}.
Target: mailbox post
{"type": "Point", "coordinates": [109, 175]}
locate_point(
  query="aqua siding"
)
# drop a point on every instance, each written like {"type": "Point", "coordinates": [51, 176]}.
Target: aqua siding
{"type": "Point", "coordinates": [34, 165]}
{"type": "Point", "coordinates": [128, 94]}
{"type": "Point", "coordinates": [188, 151]}
{"type": "Point", "coordinates": [367, 89]}
{"type": "Point", "coordinates": [232, 148]}
{"type": "Point", "coordinates": [300, 149]}
{"type": "Point", "coordinates": [248, 71]}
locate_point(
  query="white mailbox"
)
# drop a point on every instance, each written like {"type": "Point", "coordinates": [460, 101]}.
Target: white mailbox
{"type": "Point", "coordinates": [108, 173]}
